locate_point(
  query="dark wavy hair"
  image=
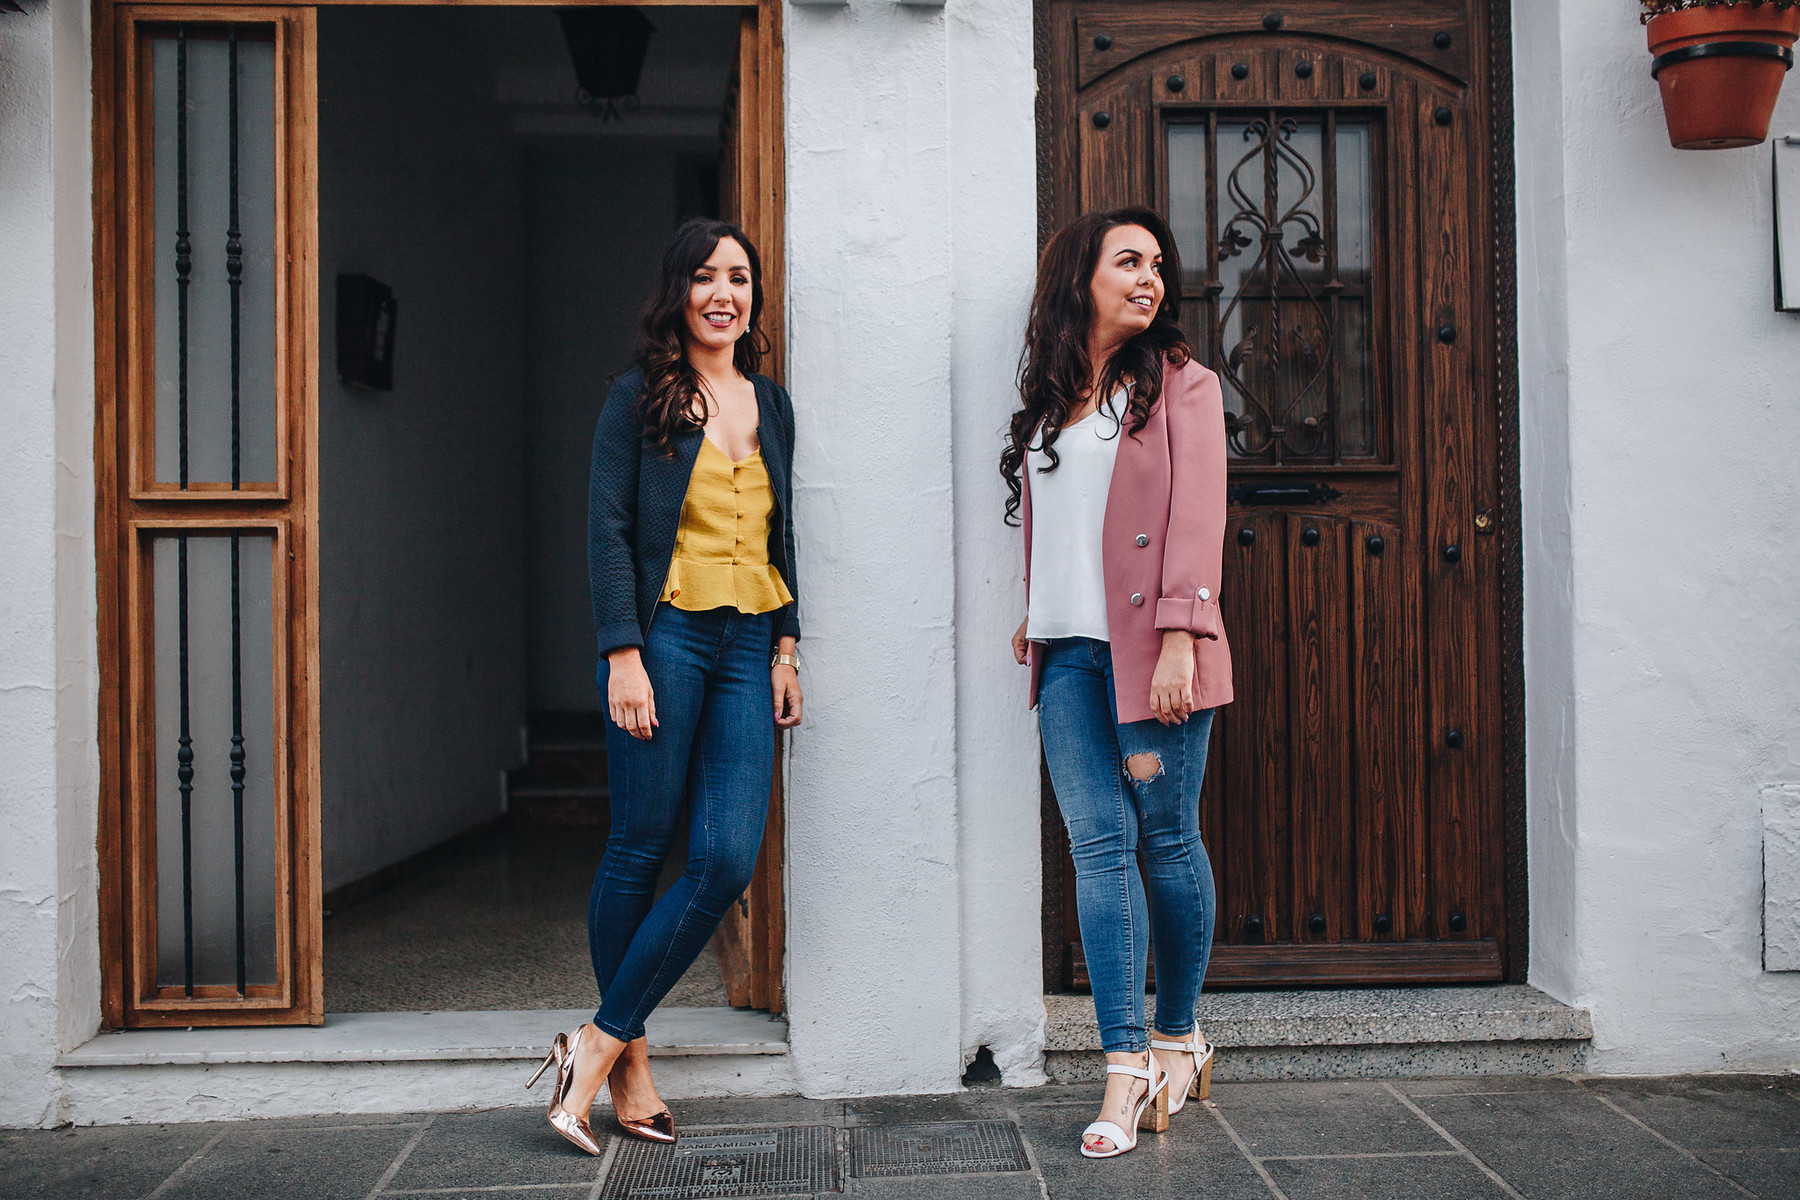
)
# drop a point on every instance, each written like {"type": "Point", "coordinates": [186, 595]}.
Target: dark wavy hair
{"type": "Point", "coordinates": [1054, 369]}
{"type": "Point", "coordinates": [671, 400]}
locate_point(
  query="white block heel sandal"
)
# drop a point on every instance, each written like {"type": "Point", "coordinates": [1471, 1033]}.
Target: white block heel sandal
{"type": "Point", "coordinates": [1154, 1104]}
{"type": "Point", "coordinates": [1200, 1087]}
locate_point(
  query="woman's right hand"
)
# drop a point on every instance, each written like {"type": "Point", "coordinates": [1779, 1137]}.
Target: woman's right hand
{"type": "Point", "coordinates": [630, 702]}
{"type": "Point", "coordinates": [1021, 646]}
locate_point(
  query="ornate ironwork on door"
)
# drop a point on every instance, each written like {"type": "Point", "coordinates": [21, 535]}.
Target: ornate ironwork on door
{"type": "Point", "coordinates": [1277, 211]}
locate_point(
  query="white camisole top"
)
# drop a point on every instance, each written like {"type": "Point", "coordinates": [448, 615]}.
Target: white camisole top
{"type": "Point", "coordinates": [1068, 512]}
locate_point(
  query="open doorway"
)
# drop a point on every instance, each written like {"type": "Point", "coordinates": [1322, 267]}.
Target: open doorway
{"type": "Point", "coordinates": [278, 720]}
{"type": "Point", "coordinates": [518, 230]}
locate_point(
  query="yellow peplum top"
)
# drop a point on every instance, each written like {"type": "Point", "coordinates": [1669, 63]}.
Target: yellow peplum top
{"type": "Point", "coordinates": [722, 546]}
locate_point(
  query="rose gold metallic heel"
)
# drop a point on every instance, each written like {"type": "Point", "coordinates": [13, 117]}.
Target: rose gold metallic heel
{"type": "Point", "coordinates": [573, 1126]}
{"type": "Point", "coordinates": [658, 1127]}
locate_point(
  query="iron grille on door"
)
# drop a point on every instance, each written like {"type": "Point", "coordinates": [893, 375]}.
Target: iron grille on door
{"type": "Point", "coordinates": [1275, 214]}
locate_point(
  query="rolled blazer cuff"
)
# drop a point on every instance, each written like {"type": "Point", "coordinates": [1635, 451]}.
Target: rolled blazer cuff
{"type": "Point", "coordinates": [1198, 617]}
{"type": "Point", "coordinates": [619, 633]}
{"type": "Point", "coordinates": [790, 623]}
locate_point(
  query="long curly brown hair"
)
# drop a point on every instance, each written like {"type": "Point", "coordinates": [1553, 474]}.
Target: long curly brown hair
{"type": "Point", "coordinates": [1054, 370]}
{"type": "Point", "coordinates": [671, 400]}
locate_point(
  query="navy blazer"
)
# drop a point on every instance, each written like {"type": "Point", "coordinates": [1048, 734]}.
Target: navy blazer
{"type": "Point", "coordinates": [635, 496]}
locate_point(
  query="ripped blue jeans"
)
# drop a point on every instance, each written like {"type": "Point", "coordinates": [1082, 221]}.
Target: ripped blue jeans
{"type": "Point", "coordinates": [1111, 814]}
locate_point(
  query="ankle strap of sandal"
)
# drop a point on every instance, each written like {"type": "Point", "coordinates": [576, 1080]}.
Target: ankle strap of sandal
{"type": "Point", "coordinates": [1120, 1069]}
{"type": "Point", "coordinates": [1195, 1046]}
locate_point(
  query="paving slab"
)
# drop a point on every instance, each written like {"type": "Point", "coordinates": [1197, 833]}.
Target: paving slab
{"type": "Point", "coordinates": [1701, 1113]}
{"type": "Point", "coordinates": [1492, 1085]}
{"type": "Point", "coordinates": [319, 1164]}
{"type": "Point", "coordinates": [75, 1164]}
{"type": "Point", "coordinates": [1567, 1143]}
{"type": "Point", "coordinates": [1195, 1158]}
{"type": "Point", "coordinates": [1774, 1174]}
{"type": "Point", "coordinates": [499, 1148]}
{"type": "Point", "coordinates": [982, 1105]}
{"type": "Point", "coordinates": [1418, 1177]}
{"type": "Point", "coordinates": [1013, 1186]}
{"type": "Point", "coordinates": [572, 1191]}
{"type": "Point", "coordinates": [1277, 1120]}
{"type": "Point", "coordinates": [778, 1110]}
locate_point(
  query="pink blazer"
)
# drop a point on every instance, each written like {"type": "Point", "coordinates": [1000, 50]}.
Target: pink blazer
{"type": "Point", "coordinates": [1164, 544]}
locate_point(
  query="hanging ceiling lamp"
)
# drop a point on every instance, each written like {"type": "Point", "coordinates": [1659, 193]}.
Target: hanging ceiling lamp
{"type": "Point", "coordinates": [608, 45]}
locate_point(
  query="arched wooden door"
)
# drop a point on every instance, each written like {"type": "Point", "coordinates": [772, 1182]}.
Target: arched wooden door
{"type": "Point", "coordinates": [1326, 169]}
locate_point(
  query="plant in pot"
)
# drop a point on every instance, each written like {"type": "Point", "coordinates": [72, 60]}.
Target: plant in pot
{"type": "Point", "coordinates": [1720, 64]}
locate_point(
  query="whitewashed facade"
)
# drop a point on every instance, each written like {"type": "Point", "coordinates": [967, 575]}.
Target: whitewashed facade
{"type": "Point", "coordinates": [1660, 425]}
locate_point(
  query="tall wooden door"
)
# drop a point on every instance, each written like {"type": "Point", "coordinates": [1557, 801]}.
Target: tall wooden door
{"type": "Point", "coordinates": [207, 302]}
{"type": "Point", "coordinates": [753, 934]}
{"type": "Point", "coordinates": [1325, 167]}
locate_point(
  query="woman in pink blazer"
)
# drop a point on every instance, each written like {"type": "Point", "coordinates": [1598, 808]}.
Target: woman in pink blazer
{"type": "Point", "coordinates": [1116, 464]}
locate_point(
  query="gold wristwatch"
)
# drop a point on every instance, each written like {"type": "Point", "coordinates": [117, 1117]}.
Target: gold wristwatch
{"type": "Point", "coordinates": [785, 660]}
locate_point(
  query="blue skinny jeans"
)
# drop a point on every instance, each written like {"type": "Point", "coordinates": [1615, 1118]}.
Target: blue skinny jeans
{"type": "Point", "coordinates": [1110, 815]}
{"type": "Point", "coordinates": [714, 747]}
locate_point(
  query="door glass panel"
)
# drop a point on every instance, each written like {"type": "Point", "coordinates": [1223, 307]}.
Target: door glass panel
{"type": "Point", "coordinates": [214, 164]}
{"type": "Point", "coordinates": [1280, 253]}
{"type": "Point", "coordinates": [1187, 145]}
{"type": "Point", "coordinates": [213, 615]}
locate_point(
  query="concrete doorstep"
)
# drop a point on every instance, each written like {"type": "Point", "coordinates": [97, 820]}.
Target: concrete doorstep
{"type": "Point", "coordinates": [396, 1062]}
{"type": "Point", "coordinates": [1363, 1033]}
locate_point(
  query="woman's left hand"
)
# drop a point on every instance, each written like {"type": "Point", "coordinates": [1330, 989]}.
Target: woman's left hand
{"type": "Point", "coordinates": [785, 682]}
{"type": "Point", "coordinates": [1172, 683]}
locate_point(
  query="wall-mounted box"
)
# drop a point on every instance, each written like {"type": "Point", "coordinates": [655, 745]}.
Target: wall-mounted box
{"type": "Point", "coordinates": [365, 332]}
{"type": "Point", "coordinates": [1786, 152]}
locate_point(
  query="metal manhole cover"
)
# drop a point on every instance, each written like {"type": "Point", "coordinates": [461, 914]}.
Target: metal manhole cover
{"type": "Point", "coordinates": [950, 1148]}
{"type": "Point", "coordinates": [796, 1161]}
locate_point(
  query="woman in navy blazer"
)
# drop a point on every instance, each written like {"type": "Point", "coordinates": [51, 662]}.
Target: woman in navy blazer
{"type": "Point", "coordinates": [691, 566]}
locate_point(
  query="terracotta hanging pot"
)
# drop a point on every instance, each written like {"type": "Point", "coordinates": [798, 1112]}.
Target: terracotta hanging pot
{"type": "Point", "coordinates": [1720, 68]}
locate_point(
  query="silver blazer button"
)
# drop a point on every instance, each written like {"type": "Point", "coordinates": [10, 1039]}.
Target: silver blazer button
{"type": "Point", "coordinates": [1137, 597]}
{"type": "Point", "coordinates": [1204, 594]}
{"type": "Point", "coordinates": [1143, 539]}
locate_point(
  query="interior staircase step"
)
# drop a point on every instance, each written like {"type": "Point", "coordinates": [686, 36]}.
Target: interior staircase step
{"type": "Point", "coordinates": [1347, 1033]}
{"type": "Point", "coordinates": [563, 784]}
{"type": "Point", "coordinates": [564, 768]}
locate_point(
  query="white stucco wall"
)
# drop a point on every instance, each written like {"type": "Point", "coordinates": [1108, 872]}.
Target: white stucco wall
{"type": "Point", "coordinates": [49, 972]}
{"type": "Point", "coordinates": [1662, 415]}
{"type": "Point", "coordinates": [913, 878]}
{"type": "Point", "coordinates": [874, 913]}
{"type": "Point", "coordinates": [993, 237]}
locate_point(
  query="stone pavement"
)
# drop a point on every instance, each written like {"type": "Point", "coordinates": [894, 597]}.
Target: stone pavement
{"type": "Point", "coordinates": [1689, 1138]}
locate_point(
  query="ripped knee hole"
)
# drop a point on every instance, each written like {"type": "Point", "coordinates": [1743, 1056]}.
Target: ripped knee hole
{"type": "Point", "coordinates": [1144, 767]}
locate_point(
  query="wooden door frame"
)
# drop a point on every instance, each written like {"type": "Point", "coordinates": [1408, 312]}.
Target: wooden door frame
{"type": "Point", "coordinates": [1502, 227]}
{"type": "Point", "coordinates": [760, 171]}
